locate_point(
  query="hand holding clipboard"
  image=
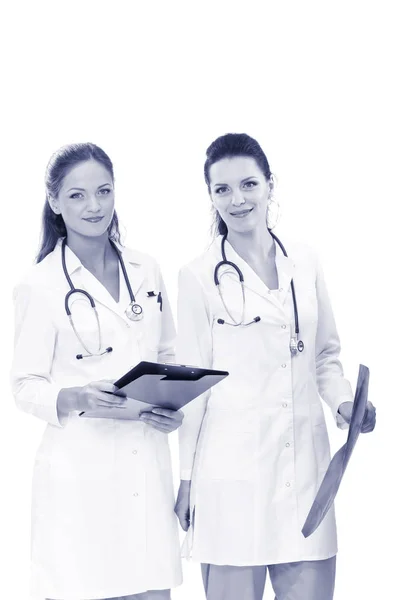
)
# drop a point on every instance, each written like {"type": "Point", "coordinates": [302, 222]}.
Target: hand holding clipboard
{"type": "Point", "coordinates": [155, 385]}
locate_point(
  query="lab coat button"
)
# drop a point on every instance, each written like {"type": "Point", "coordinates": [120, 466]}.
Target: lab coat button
{"type": "Point", "coordinates": [283, 326]}
{"type": "Point", "coordinates": [136, 494]}
{"type": "Point", "coordinates": [288, 484]}
{"type": "Point", "coordinates": [281, 289]}
{"type": "Point", "coordinates": [287, 445]}
{"type": "Point", "coordinates": [284, 405]}
{"type": "Point", "coordinates": [284, 366]}
{"type": "Point", "coordinates": [134, 451]}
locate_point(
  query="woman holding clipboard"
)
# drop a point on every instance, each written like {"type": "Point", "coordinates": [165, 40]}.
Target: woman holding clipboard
{"type": "Point", "coordinates": [254, 450]}
{"type": "Point", "coordinates": [103, 524]}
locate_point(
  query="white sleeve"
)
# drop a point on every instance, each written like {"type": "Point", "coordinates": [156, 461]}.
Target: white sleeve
{"type": "Point", "coordinates": [332, 385]}
{"type": "Point", "coordinates": [166, 348]}
{"type": "Point", "coordinates": [35, 335]}
{"type": "Point", "coordinates": [194, 347]}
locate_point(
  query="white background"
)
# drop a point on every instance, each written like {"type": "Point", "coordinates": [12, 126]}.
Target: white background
{"type": "Point", "coordinates": [153, 84]}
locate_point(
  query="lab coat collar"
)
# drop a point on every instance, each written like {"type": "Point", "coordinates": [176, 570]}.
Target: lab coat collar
{"type": "Point", "coordinates": [285, 268]}
{"type": "Point", "coordinates": [82, 278]}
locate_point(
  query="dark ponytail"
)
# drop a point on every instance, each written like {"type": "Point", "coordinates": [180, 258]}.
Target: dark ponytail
{"type": "Point", "coordinates": [67, 157]}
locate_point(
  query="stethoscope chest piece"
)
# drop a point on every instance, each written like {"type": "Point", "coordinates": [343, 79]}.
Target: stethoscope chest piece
{"type": "Point", "coordinates": [134, 312]}
{"type": "Point", "coordinates": [296, 346]}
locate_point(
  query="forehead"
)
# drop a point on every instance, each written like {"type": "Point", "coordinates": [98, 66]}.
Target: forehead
{"type": "Point", "coordinates": [87, 174]}
{"type": "Point", "coordinates": [235, 169]}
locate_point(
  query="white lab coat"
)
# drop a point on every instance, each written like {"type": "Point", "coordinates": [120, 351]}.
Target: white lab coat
{"type": "Point", "coordinates": [256, 446]}
{"type": "Point", "coordinates": [103, 522]}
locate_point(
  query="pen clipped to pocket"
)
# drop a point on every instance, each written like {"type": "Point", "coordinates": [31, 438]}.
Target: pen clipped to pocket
{"type": "Point", "coordinates": [153, 294]}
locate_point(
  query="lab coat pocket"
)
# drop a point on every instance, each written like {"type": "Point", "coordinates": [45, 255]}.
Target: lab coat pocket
{"type": "Point", "coordinates": [321, 446]}
{"type": "Point", "coordinates": [151, 325]}
{"type": "Point", "coordinates": [228, 455]}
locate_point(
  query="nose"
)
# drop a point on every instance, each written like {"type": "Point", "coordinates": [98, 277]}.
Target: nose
{"type": "Point", "coordinates": [93, 203]}
{"type": "Point", "coordinates": [237, 199]}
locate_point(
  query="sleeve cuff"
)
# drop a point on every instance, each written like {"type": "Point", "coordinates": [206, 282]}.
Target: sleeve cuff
{"type": "Point", "coordinates": [340, 422]}
{"type": "Point", "coordinates": [186, 474]}
{"type": "Point", "coordinates": [44, 405]}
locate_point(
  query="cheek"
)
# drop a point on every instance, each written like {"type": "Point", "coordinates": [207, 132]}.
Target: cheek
{"type": "Point", "coordinates": [109, 204]}
{"type": "Point", "coordinates": [70, 212]}
{"type": "Point", "coordinates": [221, 205]}
{"type": "Point", "coordinates": [260, 200]}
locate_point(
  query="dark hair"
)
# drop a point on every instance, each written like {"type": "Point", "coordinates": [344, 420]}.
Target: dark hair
{"type": "Point", "coordinates": [229, 146]}
{"type": "Point", "coordinates": [62, 161]}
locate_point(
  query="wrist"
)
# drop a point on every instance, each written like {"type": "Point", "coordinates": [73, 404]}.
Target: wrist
{"type": "Point", "coordinates": [68, 400]}
{"type": "Point", "coordinates": [344, 407]}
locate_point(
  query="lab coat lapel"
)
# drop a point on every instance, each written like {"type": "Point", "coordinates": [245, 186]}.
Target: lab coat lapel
{"type": "Point", "coordinates": [251, 279]}
{"type": "Point", "coordinates": [134, 268]}
{"type": "Point", "coordinates": [285, 267]}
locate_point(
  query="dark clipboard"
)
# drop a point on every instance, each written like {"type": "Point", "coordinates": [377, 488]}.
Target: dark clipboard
{"type": "Point", "coordinates": [150, 385]}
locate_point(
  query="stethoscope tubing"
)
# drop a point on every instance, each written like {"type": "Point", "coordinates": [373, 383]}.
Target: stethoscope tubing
{"type": "Point", "coordinates": [225, 262]}
{"type": "Point", "coordinates": [89, 297]}
{"type": "Point", "coordinates": [74, 290]}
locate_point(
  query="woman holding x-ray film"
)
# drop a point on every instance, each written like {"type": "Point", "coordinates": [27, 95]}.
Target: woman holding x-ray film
{"type": "Point", "coordinates": [254, 450]}
{"type": "Point", "coordinates": [103, 522]}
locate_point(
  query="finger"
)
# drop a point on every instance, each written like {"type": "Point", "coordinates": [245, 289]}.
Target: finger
{"type": "Point", "coordinates": [105, 386]}
{"type": "Point", "coordinates": [166, 412]}
{"type": "Point", "coordinates": [368, 427]}
{"type": "Point", "coordinates": [109, 398]}
{"type": "Point", "coordinates": [184, 523]}
{"type": "Point", "coordinates": [110, 406]}
{"type": "Point", "coordinates": [157, 426]}
{"type": "Point", "coordinates": [157, 418]}
{"type": "Point", "coordinates": [183, 517]}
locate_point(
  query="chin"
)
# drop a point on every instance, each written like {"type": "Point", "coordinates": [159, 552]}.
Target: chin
{"type": "Point", "coordinates": [242, 227]}
{"type": "Point", "coordinates": [92, 230]}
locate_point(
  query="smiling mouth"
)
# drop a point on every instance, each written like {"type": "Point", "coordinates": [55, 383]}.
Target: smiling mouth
{"type": "Point", "coordinates": [93, 219]}
{"type": "Point", "coordinates": [239, 214]}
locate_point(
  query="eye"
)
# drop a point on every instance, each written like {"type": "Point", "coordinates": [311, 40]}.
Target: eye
{"type": "Point", "coordinates": [105, 191]}
{"type": "Point", "coordinates": [76, 195]}
{"type": "Point", "coordinates": [221, 190]}
{"type": "Point", "coordinates": [250, 184]}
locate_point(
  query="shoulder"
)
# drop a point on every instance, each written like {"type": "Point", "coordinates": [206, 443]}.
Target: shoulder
{"type": "Point", "coordinates": [201, 267]}
{"type": "Point", "coordinates": [301, 252]}
{"type": "Point", "coordinates": [139, 259]}
{"type": "Point", "coordinates": [206, 260]}
{"type": "Point", "coordinates": [37, 279]}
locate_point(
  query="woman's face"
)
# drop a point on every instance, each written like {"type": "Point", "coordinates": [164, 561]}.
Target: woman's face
{"type": "Point", "coordinates": [240, 193]}
{"type": "Point", "coordinates": [86, 199]}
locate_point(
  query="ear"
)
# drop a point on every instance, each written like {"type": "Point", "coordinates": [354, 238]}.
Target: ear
{"type": "Point", "coordinates": [54, 204]}
{"type": "Point", "coordinates": [271, 186]}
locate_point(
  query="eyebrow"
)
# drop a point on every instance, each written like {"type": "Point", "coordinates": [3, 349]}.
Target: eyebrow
{"type": "Point", "coordinates": [243, 180]}
{"type": "Point", "coordinates": [83, 189]}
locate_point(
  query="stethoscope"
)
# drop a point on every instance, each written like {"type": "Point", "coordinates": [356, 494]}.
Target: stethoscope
{"type": "Point", "coordinates": [295, 345]}
{"type": "Point", "coordinates": [134, 311]}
